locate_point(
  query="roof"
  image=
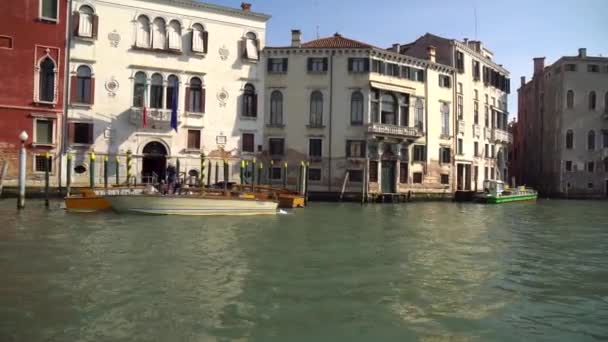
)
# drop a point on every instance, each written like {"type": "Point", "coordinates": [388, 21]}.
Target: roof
{"type": "Point", "coordinates": [213, 7]}
{"type": "Point", "coordinates": [336, 42]}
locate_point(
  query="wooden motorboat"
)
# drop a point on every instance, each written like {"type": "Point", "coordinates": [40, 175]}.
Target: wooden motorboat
{"type": "Point", "coordinates": [287, 199]}
{"type": "Point", "coordinates": [91, 200]}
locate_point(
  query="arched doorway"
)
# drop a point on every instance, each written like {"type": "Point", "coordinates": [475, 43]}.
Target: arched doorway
{"type": "Point", "coordinates": [154, 162]}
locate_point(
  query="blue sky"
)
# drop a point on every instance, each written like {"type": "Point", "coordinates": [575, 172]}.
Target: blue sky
{"type": "Point", "coordinates": [515, 30]}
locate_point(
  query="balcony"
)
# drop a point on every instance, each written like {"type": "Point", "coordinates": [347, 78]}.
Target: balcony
{"type": "Point", "coordinates": [476, 131]}
{"type": "Point", "coordinates": [157, 118]}
{"type": "Point", "coordinates": [461, 127]}
{"type": "Point", "coordinates": [500, 136]}
{"type": "Point", "coordinates": [393, 130]}
{"type": "Point", "coordinates": [487, 133]}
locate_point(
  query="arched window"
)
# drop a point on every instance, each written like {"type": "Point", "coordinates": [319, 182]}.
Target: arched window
{"type": "Point", "coordinates": [570, 99]}
{"type": "Point", "coordinates": [389, 109]}
{"type": "Point", "coordinates": [46, 85]}
{"type": "Point", "coordinates": [159, 36]}
{"type": "Point", "coordinates": [420, 115]}
{"type": "Point", "coordinates": [316, 109]}
{"type": "Point", "coordinates": [85, 21]}
{"type": "Point", "coordinates": [83, 84]}
{"type": "Point", "coordinates": [276, 108]}
{"type": "Point", "coordinates": [139, 89]}
{"type": "Point", "coordinates": [445, 119]}
{"type": "Point", "coordinates": [251, 46]}
{"type": "Point", "coordinates": [200, 39]}
{"type": "Point", "coordinates": [250, 105]}
{"type": "Point", "coordinates": [195, 96]}
{"type": "Point", "coordinates": [172, 92]}
{"type": "Point", "coordinates": [175, 35]}
{"type": "Point", "coordinates": [356, 108]}
{"type": "Point", "coordinates": [156, 91]}
{"type": "Point", "coordinates": [143, 32]}
{"type": "Point", "coordinates": [592, 100]}
{"type": "Point", "coordinates": [591, 140]}
{"type": "Point", "coordinates": [404, 105]}
{"type": "Point", "coordinates": [569, 139]}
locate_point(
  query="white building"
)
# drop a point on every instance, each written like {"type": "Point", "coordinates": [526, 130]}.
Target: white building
{"type": "Point", "coordinates": [370, 119]}
{"type": "Point", "coordinates": [480, 88]}
{"type": "Point", "coordinates": [132, 56]}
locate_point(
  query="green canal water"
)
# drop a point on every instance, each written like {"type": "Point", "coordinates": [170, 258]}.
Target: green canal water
{"type": "Point", "coordinates": [333, 272]}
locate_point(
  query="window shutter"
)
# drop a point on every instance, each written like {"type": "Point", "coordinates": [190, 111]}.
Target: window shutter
{"type": "Point", "coordinates": [74, 89]}
{"type": "Point", "coordinates": [187, 106]}
{"type": "Point", "coordinates": [325, 64]}
{"type": "Point", "coordinates": [285, 64]}
{"type": "Point", "coordinates": [350, 64]}
{"type": "Point", "coordinates": [244, 48]}
{"type": "Point", "coordinates": [205, 41]}
{"type": "Point", "coordinates": [90, 137]}
{"type": "Point", "coordinates": [95, 26]}
{"type": "Point", "coordinates": [203, 97]}
{"type": "Point", "coordinates": [255, 105]}
{"type": "Point", "coordinates": [309, 64]}
{"type": "Point", "coordinates": [366, 65]}
{"type": "Point", "coordinates": [257, 46]}
{"type": "Point", "coordinates": [269, 65]}
{"type": "Point", "coordinates": [192, 41]}
{"type": "Point", "coordinates": [75, 22]}
{"type": "Point", "coordinates": [71, 132]}
{"type": "Point", "coordinates": [92, 92]}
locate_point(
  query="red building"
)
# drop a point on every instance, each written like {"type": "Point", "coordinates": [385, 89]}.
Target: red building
{"type": "Point", "coordinates": [32, 62]}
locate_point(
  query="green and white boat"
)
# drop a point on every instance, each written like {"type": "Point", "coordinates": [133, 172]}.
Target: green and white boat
{"type": "Point", "coordinates": [496, 192]}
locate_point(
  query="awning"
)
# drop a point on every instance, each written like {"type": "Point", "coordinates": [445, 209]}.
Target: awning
{"type": "Point", "coordinates": [392, 87]}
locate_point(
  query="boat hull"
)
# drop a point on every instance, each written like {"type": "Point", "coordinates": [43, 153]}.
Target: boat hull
{"type": "Point", "coordinates": [190, 205]}
{"type": "Point", "coordinates": [86, 204]}
{"type": "Point", "coordinates": [509, 199]}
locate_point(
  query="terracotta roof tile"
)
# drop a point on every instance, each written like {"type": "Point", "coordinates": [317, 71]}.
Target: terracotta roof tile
{"type": "Point", "coordinates": [336, 42]}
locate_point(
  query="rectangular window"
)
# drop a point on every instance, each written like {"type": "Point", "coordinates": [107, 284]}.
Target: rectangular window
{"type": "Point", "coordinates": [373, 171]}
{"type": "Point", "coordinates": [417, 177]}
{"type": "Point", "coordinates": [570, 67]}
{"type": "Point", "coordinates": [315, 148]}
{"type": "Point", "coordinates": [358, 65]}
{"type": "Point", "coordinates": [605, 137]}
{"type": "Point", "coordinates": [355, 176]}
{"type": "Point", "coordinates": [40, 164]}
{"type": "Point", "coordinates": [6, 42]}
{"type": "Point", "coordinates": [460, 108]}
{"type": "Point", "coordinates": [276, 146]}
{"type": "Point", "coordinates": [392, 70]}
{"type": "Point", "coordinates": [403, 172]}
{"type": "Point", "coordinates": [459, 88]}
{"type": "Point", "coordinates": [493, 149]}
{"type": "Point", "coordinates": [83, 133]}
{"type": "Point", "coordinates": [405, 72]}
{"type": "Point", "coordinates": [44, 132]}
{"type": "Point", "coordinates": [247, 142]}
{"type": "Point", "coordinates": [445, 155]}
{"type": "Point", "coordinates": [276, 173]}
{"type": "Point", "coordinates": [317, 65]}
{"type": "Point", "coordinates": [593, 68]}
{"type": "Point", "coordinates": [590, 167]}
{"type": "Point", "coordinates": [444, 81]}
{"type": "Point", "coordinates": [476, 148]}
{"type": "Point", "coordinates": [419, 153]}
{"type": "Point", "coordinates": [460, 61]}
{"type": "Point", "coordinates": [355, 149]}
{"type": "Point", "coordinates": [492, 174]}
{"type": "Point", "coordinates": [277, 65]}
{"type": "Point", "coordinates": [314, 175]}
{"type": "Point", "coordinates": [445, 179]}
{"type": "Point", "coordinates": [485, 173]}
{"type": "Point", "coordinates": [194, 139]}
{"type": "Point", "coordinates": [445, 123]}
{"type": "Point", "coordinates": [460, 147]}
{"type": "Point", "coordinates": [476, 71]}
{"type": "Point", "coordinates": [487, 116]}
{"type": "Point", "coordinates": [476, 113]}
{"type": "Point", "coordinates": [568, 164]}
{"type": "Point", "coordinates": [418, 75]}
{"type": "Point", "coordinates": [49, 9]}
{"type": "Point", "coordinates": [487, 151]}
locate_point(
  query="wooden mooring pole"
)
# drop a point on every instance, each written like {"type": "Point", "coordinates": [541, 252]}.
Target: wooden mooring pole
{"type": "Point", "coordinates": [2, 174]}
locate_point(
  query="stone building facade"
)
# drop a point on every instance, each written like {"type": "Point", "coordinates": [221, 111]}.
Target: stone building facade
{"type": "Point", "coordinates": [366, 119]}
{"type": "Point", "coordinates": [562, 128]}
{"type": "Point", "coordinates": [136, 66]}
{"type": "Point", "coordinates": [32, 64]}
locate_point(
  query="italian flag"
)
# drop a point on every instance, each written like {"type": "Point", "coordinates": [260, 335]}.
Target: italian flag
{"type": "Point", "coordinates": [145, 112]}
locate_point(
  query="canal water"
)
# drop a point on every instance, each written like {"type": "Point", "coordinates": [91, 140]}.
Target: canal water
{"type": "Point", "coordinates": [333, 272]}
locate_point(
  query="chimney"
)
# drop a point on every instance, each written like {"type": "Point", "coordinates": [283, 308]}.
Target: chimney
{"type": "Point", "coordinates": [539, 65]}
{"type": "Point", "coordinates": [296, 38]}
{"type": "Point", "coordinates": [396, 47]}
{"type": "Point", "coordinates": [582, 52]}
{"type": "Point", "coordinates": [431, 52]}
{"type": "Point", "coordinates": [523, 81]}
{"type": "Point", "coordinates": [466, 41]}
{"type": "Point", "coordinates": [246, 7]}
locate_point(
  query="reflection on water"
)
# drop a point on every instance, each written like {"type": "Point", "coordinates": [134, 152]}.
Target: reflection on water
{"type": "Point", "coordinates": [421, 271]}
